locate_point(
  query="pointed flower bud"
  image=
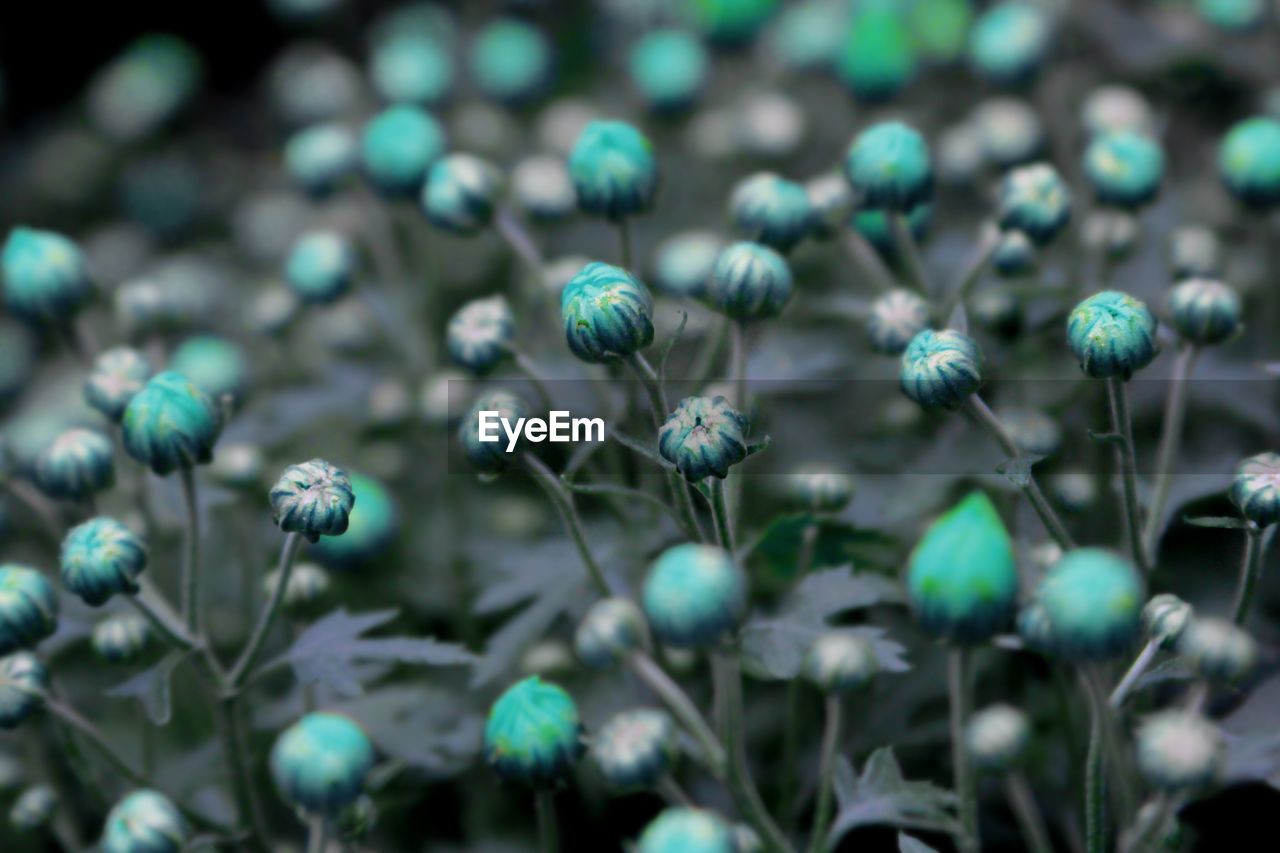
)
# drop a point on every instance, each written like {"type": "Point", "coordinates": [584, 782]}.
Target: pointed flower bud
{"type": "Point", "coordinates": [703, 438]}
{"type": "Point", "coordinates": [533, 735]}
{"type": "Point", "coordinates": [607, 313]}
{"type": "Point", "coordinates": [102, 558]}
{"type": "Point", "coordinates": [1112, 334]}
{"type": "Point", "coordinates": [694, 595]}
{"type": "Point", "coordinates": [312, 498]}
{"type": "Point", "coordinates": [319, 764]}
{"type": "Point", "coordinates": [940, 369]}
{"type": "Point", "coordinates": [635, 749]}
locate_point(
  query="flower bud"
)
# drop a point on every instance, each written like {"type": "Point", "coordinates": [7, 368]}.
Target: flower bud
{"type": "Point", "coordinates": [819, 489]}
{"type": "Point", "coordinates": [1205, 311]}
{"type": "Point", "coordinates": [460, 194]}
{"type": "Point", "coordinates": [889, 165]}
{"type": "Point", "coordinates": [613, 170]}
{"type": "Point", "coordinates": [481, 333]}
{"type": "Point", "coordinates": [1232, 16]}
{"type": "Point", "coordinates": [703, 437]}
{"type": "Point", "coordinates": [312, 498]}
{"type": "Point", "coordinates": [307, 585]}
{"type": "Point", "coordinates": [694, 595]}
{"type": "Point", "coordinates": [875, 227]}
{"type": "Point", "coordinates": [769, 209]}
{"type": "Point", "coordinates": [940, 369]}
{"type": "Point", "coordinates": [102, 558]}
{"type": "Point", "coordinates": [1195, 252]}
{"type": "Point", "coordinates": [543, 189]}
{"type": "Point", "coordinates": [118, 374]}
{"type": "Point", "coordinates": [319, 157]}
{"type": "Point", "coordinates": [1112, 107]}
{"type": "Point", "coordinates": [145, 821]}
{"type": "Point", "coordinates": [319, 764]}
{"type": "Point", "coordinates": [490, 457]}
{"type": "Point", "coordinates": [683, 263]}
{"type": "Point", "coordinates": [896, 318]}
{"type": "Point", "coordinates": [408, 67]}
{"type": "Point", "coordinates": [78, 464]}
{"type": "Point", "coordinates": [1164, 619]}
{"type": "Point", "coordinates": [840, 662]}
{"type": "Point", "coordinates": [398, 147]}
{"type": "Point", "coordinates": [1179, 750]}
{"type": "Point", "coordinates": [1035, 201]}
{"type": "Point", "coordinates": [171, 424]}
{"type": "Point", "coordinates": [320, 267]}
{"type": "Point", "coordinates": [23, 678]}
{"type": "Point", "coordinates": [1112, 334]}
{"type": "Point", "coordinates": [996, 737]}
{"type": "Point", "coordinates": [28, 608]}
{"type": "Point", "coordinates": [1015, 255]}
{"type": "Point", "coordinates": [1009, 131]}
{"type": "Point", "coordinates": [1010, 42]}
{"type": "Point", "coordinates": [1218, 650]}
{"type": "Point", "coordinates": [668, 68]}
{"type": "Point", "coordinates": [143, 87]}
{"type": "Point", "coordinates": [1091, 599]}
{"type": "Point", "coordinates": [1256, 488]}
{"type": "Point", "coordinates": [877, 58]}
{"type": "Point", "coordinates": [750, 282]}
{"type": "Point", "coordinates": [960, 153]}
{"type": "Point", "coordinates": [44, 275]}
{"type": "Point", "coordinates": [120, 639]}
{"type": "Point", "coordinates": [1124, 168]}
{"type": "Point", "coordinates": [688, 830]}
{"type": "Point", "coordinates": [606, 312]}
{"type": "Point", "coordinates": [549, 658]}
{"type": "Point", "coordinates": [371, 526]}
{"type": "Point", "coordinates": [33, 809]}
{"type": "Point", "coordinates": [808, 36]}
{"type": "Point", "coordinates": [1248, 161]}
{"type": "Point", "coordinates": [612, 629]}
{"type": "Point", "coordinates": [510, 61]}
{"type": "Point", "coordinates": [635, 749]}
{"type": "Point", "coordinates": [217, 366]}
{"type": "Point", "coordinates": [533, 735]}
{"type": "Point", "coordinates": [1110, 232]}
{"type": "Point", "coordinates": [1034, 628]}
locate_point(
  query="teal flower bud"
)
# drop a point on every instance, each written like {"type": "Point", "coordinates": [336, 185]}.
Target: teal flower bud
{"type": "Point", "coordinates": [372, 526]}
{"type": "Point", "coordinates": [490, 457]}
{"type": "Point", "coordinates": [102, 558]}
{"type": "Point", "coordinates": [731, 22]}
{"type": "Point", "coordinates": [320, 157]}
{"type": "Point", "coordinates": [1112, 107]}
{"type": "Point", "coordinates": [533, 735]}
{"type": "Point", "coordinates": [1195, 252]}
{"type": "Point", "coordinates": [1032, 430]}
{"type": "Point", "coordinates": [668, 69]}
{"type": "Point", "coordinates": [996, 737]}
{"type": "Point", "coordinates": [684, 263]}
{"type": "Point", "coordinates": [1015, 255]}
{"type": "Point", "coordinates": [694, 595]}
{"type": "Point", "coordinates": [171, 424]}
{"type": "Point", "coordinates": [877, 59]}
{"type": "Point", "coordinates": [1035, 201]}
{"type": "Point", "coordinates": [1218, 650]}
{"type": "Point", "coordinates": [481, 333]}
{"type": "Point", "coordinates": [320, 266]}
{"type": "Point", "coordinates": [750, 282]}
{"type": "Point", "coordinates": [543, 189]}
{"type": "Point", "coordinates": [607, 313]}
{"type": "Point", "coordinates": [1232, 16]}
{"type": "Point", "coordinates": [1249, 162]}
{"type": "Point", "coordinates": [216, 365]}
{"type": "Point", "coordinates": [1092, 600]}
{"type": "Point", "coordinates": [1256, 488]}
{"type": "Point", "coordinates": [354, 823]}
{"type": "Point", "coordinates": [120, 639]}
{"type": "Point", "coordinates": [460, 194]}
{"type": "Point", "coordinates": [940, 28]}
{"type": "Point", "coordinates": [1112, 334]}
{"type": "Point", "coordinates": [44, 275]}
{"type": "Point", "coordinates": [33, 809]}
{"type": "Point", "coordinates": [22, 678]}
{"type": "Point", "coordinates": [940, 369]}
{"type": "Point", "coordinates": [612, 629]}
{"type": "Point", "coordinates": [1164, 618]}
{"type": "Point", "coordinates": [398, 147]}
{"type": "Point", "coordinates": [819, 489]}
{"type": "Point", "coordinates": [875, 227]}
{"type": "Point", "coordinates": [613, 170]}
{"type": "Point", "coordinates": [896, 318]}
{"type": "Point", "coordinates": [1124, 168]}
{"type": "Point", "coordinates": [118, 374]}
{"type": "Point", "coordinates": [78, 464]}
{"type": "Point", "coordinates": [312, 498]}
{"type": "Point", "coordinates": [809, 36]}
{"type": "Point", "coordinates": [1205, 311]}
{"type": "Point", "coordinates": [703, 437]}
{"type": "Point", "coordinates": [1010, 42]}
{"type": "Point", "coordinates": [319, 764]}
{"type": "Point", "coordinates": [145, 821]}
{"type": "Point", "coordinates": [1010, 132]}
{"type": "Point", "coordinates": [962, 579]}
{"type": "Point", "coordinates": [510, 61]}
{"type": "Point", "coordinates": [687, 830]}
{"type": "Point", "coordinates": [889, 165]}
{"type": "Point", "coordinates": [635, 750]}
{"type": "Point", "coordinates": [1179, 750]}
{"type": "Point", "coordinates": [28, 608]}
{"type": "Point", "coordinates": [769, 209]}
{"type": "Point", "coordinates": [840, 662]}
{"type": "Point", "coordinates": [308, 585]}
{"type": "Point", "coordinates": [411, 68]}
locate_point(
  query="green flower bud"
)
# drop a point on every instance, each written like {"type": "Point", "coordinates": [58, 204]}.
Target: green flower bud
{"type": "Point", "coordinates": [877, 58]}
{"type": "Point", "coordinates": [607, 313]}
{"type": "Point", "coordinates": [809, 36]}
{"type": "Point", "coordinates": [684, 262]}
{"type": "Point", "coordinates": [490, 457]}
{"type": "Point", "coordinates": [44, 275]}
{"type": "Point", "coordinates": [1124, 168]}
{"type": "Point", "coordinates": [372, 526]}
{"type": "Point", "coordinates": [896, 318]}
{"type": "Point", "coordinates": [1010, 132]}
{"type": "Point", "coordinates": [460, 194]}
{"type": "Point", "coordinates": [78, 464]}
{"type": "Point", "coordinates": [411, 68]}
{"type": "Point", "coordinates": [1032, 430]}
{"type": "Point", "coordinates": [28, 608]}
{"type": "Point", "coordinates": [533, 735]}
{"type": "Point", "coordinates": [612, 629]}
{"type": "Point", "coordinates": [319, 764]}
{"type": "Point", "coordinates": [398, 147]}
{"type": "Point", "coordinates": [118, 374]}
{"type": "Point", "coordinates": [940, 28]}
{"type": "Point", "coordinates": [996, 737]}
{"type": "Point", "coordinates": [840, 662]}
{"type": "Point", "coordinates": [962, 580]}
{"type": "Point", "coordinates": [769, 209]}
{"type": "Point", "coordinates": [102, 558]}
{"type": "Point", "coordinates": [1195, 252]}
{"type": "Point", "coordinates": [1179, 750]}
{"type": "Point", "coordinates": [1035, 201]}
{"type": "Point", "coordinates": [1111, 107]}
{"type": "Point", "coordinates": [171, 424]}
{"type": "Point", "coordinates": [1091, 600]}
{"type": "Point", "coordinates": [312, 498]}
{"type": "Point", "coordinates": [613, 170]}
{"type": "Point", "coordinates": [731, 22]}
{"type": "Point", "coordinates": [23, 678]}
{"type": "Point", "coordinates": [668, 69]}
{"type": "Point", "coordinates": [1256, 488]}
{"type": "Point", "coordinates": [145, 821]}
{"type": "Point", "coordinates": [1010, 42]}
{"type": "Point", "coordinates": [1164, 618]}
{"type": "Point", "coordinates": [750, 282]}
{"type": "Point", "coordinates": [320, 267]}
{"type": "Point", "coordinates": [874, 225]}
{"type": "Point", "coordinates": [510, 61]}
{"type": "Point", "coordinates": [703, 437]}
{"type": "Point", "coordinates": [693, 596]}
{"type": "Point", "coordinates": [1233, 16]}
{"type": "Point", "coordinates": [1112, 334]}
{"type": "Point", "coordinates": [120, 639]}
{"type": "Point", "coordinates": [634, 750]}
{"type": "Point", "coordinates": [1218, 650]}
{"type": "Point", "coordinates": [1205, 311]}
{"type": "Point", "coordinates": [354, 823]}
{"type": "Point", "coordinates": [687, 830]}
{"type": "Point", "coordinates": [1249, 162]}
{"type": "Point", "coordinates": [216, 365]}
{"type": "Point", "coordinates": [33, 809]}
{"type": "Point", "coordinates": [1015, 255]}
{"type": "Point", "coordinates": [481, 334]}
{"type": "Point", "coordinates": [320, 157]}
{"type": "Point", "coordinates": [940, 369]}
{"type": "Point", "coordinates": [889, 165]}
{"type": "Point", "coordinates": [819, 489]}
{"type": "Point", "coordinates": [308, 584]}
{"type": "Point", "coordinates": [543, 189]}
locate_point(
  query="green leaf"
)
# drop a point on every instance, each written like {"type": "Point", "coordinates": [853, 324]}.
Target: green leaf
{"type": "Point", "coordinates": [425, 727]}
{"type": "Point", "coordinates": [1225, 522]}
{"type": "Point", "coordinates": [881, 796]}
{"type": "Point", "coordinates": [151, 688]}
{"type": "Point", "coordinates": [839, 543]}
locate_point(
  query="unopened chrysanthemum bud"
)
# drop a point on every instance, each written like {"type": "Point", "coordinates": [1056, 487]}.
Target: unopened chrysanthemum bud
{"type": "Point", "coordinates": [319, 764]}
{"type": "Point", "coordinates": [1112, 107]}
{"type": "Point", "coordinates": [371, 526]}
{"type": "Point", "coordinates": [612, 629]}
{"type": "Point", "coordinates": [1015, 255]}
{"type": "Point", "coordinates": [1249, 162]}
{"type": "Point", "coordinates": [1010, 131]}
{"type": "Point", "coordinates": [77, 464]}
{"type": "Point", "coordinates": [1256, 488]}
{"type": "Point", "coordinates": [216, 365]}
{"type": "Point", "coordinates": [542, 187]}
{"type": "Point", "coordinates": [750, 281]}
{"type": "Point", "coordinates": [668, 68]}
{"type": "Point", "coordinates": [490, 457]}
{"type": "Point", "coordinates": [1205, 311]}
{"type": "Point", "coordinates": [28, 608]}
{"type": "Point", "coordinates": [1010, 42]}
{"type": "Point", "coordinates": [896, 318]}
{"type": "Point", "coordinates": [688, 830]}
{"type": "Point", "coordinates": [237, 465]}
{"type": "Point", "coordinates": [147, 821]}
{"type": "Point", "coordinates": [533, 735]}
{"type": "Point", "coordinates": [44, 275]}
{"type": "Point", "coordinates": [320, 266]}
{"type": "Point", "coordinates": [1179, 750]}
{"type": "Point", "coordinates": [607, 313]}
{"type": "Point", "coordinates": [839, 662]}
{"type": "Point", "coordinates": [102, 558]}
{"type": "Point", "coordinates": [320, 157]}
{"type": "Point", "coordinates": [703, 438]}
{"type": "Point", "coordinates": [1112, 334]}
{"type": "Point", "coordinates": [510, 60]}
{"type": "Point", "coordinates": [34, 808]}
{"type": "Point", "coordinates": [635, 750]}
{"type": "Point", "coordinates": [118, 374]}
{"type": "Point", "coordinates": [613, 170]}
{"type": "Point", "coordinates": [1110, 232]}
{"type": "Point", "coordinates": [890, 166]}
{"type": "Point", "coordinates": [875, 227]}
{"type": "Point", "coordinates": [694, 595]}
{"type": "Point", "coordinates": [996, 737]}
{"type": "Point", "coordinates": [1035, 201]}
{"type": "Point", "coordinates": [120, 639]}
{"type": "Point", "coordinates": [1164, 618]}
{"type": "Point", "coordinates": [1218, 650]}
{"type": "Point", "coordinates": [461, 193]}
{"type": "Point", "coordinates": [398, 147]}
{"type": "Point", "coordinates": [819, 488]}
{"type": "Point", "coordinates": [1075, 490]}
{"type": "Point", "coordinates": [480, 334]}
{"type": "Point", "coordinates": [1124, 168]}
{"type": "Point", "coordinates": [23, 680]}
{"type": "Point", "coordinates": [1091, 601]}
{"type": "Point", "coordinates": [411, 67]}
{"type": "Point", "coordinates": [940, 369]}
{"type": "Point", "coordinates": [312, 498]}
{"type": "Point", "coordinates": [769, 209]}
{"type": "Point", "coordinates": [1232, 16]}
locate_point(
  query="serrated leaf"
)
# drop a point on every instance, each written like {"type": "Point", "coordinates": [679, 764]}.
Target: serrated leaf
{"type": "Point", "coordinates": [151, 688]}
{"type": "Point", "coordinates": [425, 727]}
{"type": "Point", "coordinates": [881, 796]}
{"type": "Point", "coordinates": [1224, 522]}
{"type": "Point", "coordinates": [838, 543]}
{"type": "Point", "coordinates": [507, 643]}
{"type": "Point", "coordinates": [907, 844]}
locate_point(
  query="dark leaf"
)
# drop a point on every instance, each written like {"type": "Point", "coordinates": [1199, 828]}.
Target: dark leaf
{"type": "Point", "coordinates": [1225, 522]}
{"type": "Point", "coordinates": [151, 688]}
{"type": "Point", "coordinates": [839, 543]}
{"type": "Point", "coordinates": [881, 796]}
{"type": "Point", "coordinates": [424, 727]}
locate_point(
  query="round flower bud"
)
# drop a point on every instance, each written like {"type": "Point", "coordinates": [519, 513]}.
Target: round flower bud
{"type": "Point", "coordinates": [307, 585]}
{"type": "Point", "coordinates": [118, 374]}
{"type": "Point", "coordinates": [460, 194]}
{"type": "Point", "coordinates": [1009, 42]}
{"type": "Point", "coordinates": [533, 735]}
{"type": "Point", "coordinates": [1015, 255]}
{"type": "Point", "coordinates": [1195, 252]}
{"type": "Point", "coordinates": [143, 87]}
{"type": "Point", "coordinates": [840, 662]}
{"type": "Point", "coordinates": [668, 68]}
{"type": "Point", "coordinates": [120, 639]}
{"type": "Point", "coordinates": [1205, 311]}
{"type": "Point", "coordinates": [613, 170]}
{"type": "Point", "coordinates": [1256, 488]}
{"type": "Point", "coordinates": [1179, 750]}
{"type": "Point", "coordinates": [1032, 430]}
{"type": "Point", "coordinates": [411, 68]}
{"type": "Point", "coordinates": [28, 608]}
{"type": "Point", "coordinates": [1164, 618]}
{"type": "Point", "coordinates": [683, 263]}
{"type": "Point", "coordinates": [145, 821]}
{"type": "Point", "coordinates": [371, 526]}
{"type": "Point", "coordinates": [877, 58]}
{"type": "Point", "coordinates": [1092, 600]}
{"type": "Point", "coordinates": [769, 209]}
{"type": "Point", "coordinates": [874, 225]}
{"type": "Point", "coordinates": [996, 737]}
{"type": "Point", "coordinates": [831, 198]}
{"type": "Point", "coordinates": [354, 823]}
{"type": "Point", "coordinates": [78, 464]}
{"type": "Point", "coordinates": [216, 365]}
{"type": "Point", "coordinates": [693, 596]}
{"type": "Point", "coordinates": [607, 313]}
{"type": "Point", "coordinates": [543, 189]}
{"type": "Point", "coordinates": [730, 23]}
{"type": "Point", "coordinates": [480, 334]}
{"type": "Point", "coordinates": [612, 629]}
{"type": "Point", "coordinates": [703, 437]}
{"type": "Point", "coordinates": [1112, 334]}
{"type": "Point", "coordinates": [809, 36]}
{"type": "Point", "coordinates": [319, 764]}
{"type": "Point", "coordinates": [397, 148]}
{"type": "Point", "coordinates": [962, 579]}
{"type": "Point", "coordinates": [750, 282]}
{"type": "Point", "coordinates": [889, 165]}
{"type": "Point", "coordinates": [1218, 650]}
{"type": "Point", "coordinates": [896, 318]}
{"type": "Point", "coordinates": [319, 157]}
{"type": "Point", "coordinates": [171, 424]}
{"type": "Point", "coordinates": [102, 558]}
{"type": "Point", "coordinates": [312, 498]}
{"type": "Point", "coordinates": [1232, 16]}
{"type": "Point", "coordinates": [510, 61]}
{"type": "Point", "coordinates": [320, 267]}
{"type": "Point", "coordinates": [1010, 132]}
{"type": "Point", "coordinates": [1124, 168]}
{"type": "Point", "coordinates": [1035, 201]}
{"type": "Point", "coordinates": [819, 489]}
{"type": "Point", "coordinates": [688, 830]}
{"type": "Point", "coordinates": [490, 457]}
{"type": "Point", "coordinates": [44, 275]}
{"type": "Point", "coordinates": [940, 369]}
{"type": "Point", "coordinates": [1249, 162]}
{"type": "Point", "coordinates": [22, 678]}
{"type": "Point", "coordinates": [635, 750]}
{"type": "Point", "coordinates": [1113, 107]}
{"type": "Point", "coordinates": [763, 124]}
{"type": "Point", "coordinates": [33, 809]}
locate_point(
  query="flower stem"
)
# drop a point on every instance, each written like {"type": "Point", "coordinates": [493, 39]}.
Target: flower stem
{"type": "Point", "coordinates": [526, 365]}
{"type": "Point", "coordinates": [624, 240]}
{"type": "Point", "coordinates": [1250, 568]}
{"type": "Point", "coordinates": [787, 770]}
{"type": "Point", "coordinates": [738, 365]}
{"type": "Point", "coordinates": [652, 385]}
{"type": "Point", "coordinates": [1175, 410]}
{"type": "Point", "coordinates": [267, 618]}
{"type": "Point", "coordinates": [316, 834]}
{"type": "Point", "coordinates": [909, 252]}
{"type": "Point", "coordinates": [1023, 803]}
{"type": "Point", "coordinates": [1094, 816]}
{"type": "Point", "coordinates": [720, 512]}
{"type": "Point", "coordinates": [866, 259]}
{"type": "Point", "coordinates": [657, 680]}
{"type": "Point", "coordinates": [1140, 664]}
{"type": "Point", "coordinates": [826, 770]}
{"type": "Point", "coordinates": [960, 686]}
{"type": "Point", "coordinates": [1122, 427]}
{"type": "Point", "coordinates": [236, 751]}
{"type": "Point", "coordinates": [156, 616]}
{"type": "Point", "coordinates": [671, 791]}
{"type": "Point", "coordinates": [517, 237]}
{"type": "Point", "coordinates": [190, 554]}
{"type": "Point", "coordinates": [563, 502]}
{"type": "Point", "coordinates": [977, 263]}
{"type": "Point", "coordinates": [548, 832]}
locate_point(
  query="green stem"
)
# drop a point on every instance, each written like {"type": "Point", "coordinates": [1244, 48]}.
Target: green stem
{"type": "Point", "coordinates": [190, 554]}
{"type": "Point", "coordinates": [738, 365]}
{"type": "Point", "coordinates": [1122, 427]}
{"type": "Point", "coordinates": [960, 686]}
{"type": "Point", "coordinates": [866, 259]}
{"type": "Point", "coordinates": [171, 633]}
{"type": "Point", "coordinates": [682, 708]}
{"type": "Point", "coordinates": [548, 832]}
{"type": "Point", "coordinates": [1250, 568]}
{"type": "Point", "coordinates": [790, 752]}
{"type": "Point", "coordinates": [526, 365]}
{"type": "Point", "coordinates": [720, 513]}
{"type": "Point", "coordinates": [624, 240]}
{"type": "Point", "coordinates": [704, 363]}
{"type": "Point", "coordinates": [1094, 783]}
{"type": "Point", "coordinates": [267, 618]}
{"type": "Point", "coordinates": [563, 502]}
{"type": "Point", "coordinates": [1175, 410]}
{"type": "Point", "coordinates": [970, 274]}
{"type": "Point", "coordinates": [826, 770]}
{"type": "Point", "coordinates": [317, 834]}
{"type": "Point", "coordinates": [909, 252]}
{"type": "Point", "coordinates": [1140, 664]}
{"type": "Point", "coordinates": [235, 749]}
{"type": "Point", "coordinates": [623, 492]}
{"type": "Point", "coordinates": [1023, 803]}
